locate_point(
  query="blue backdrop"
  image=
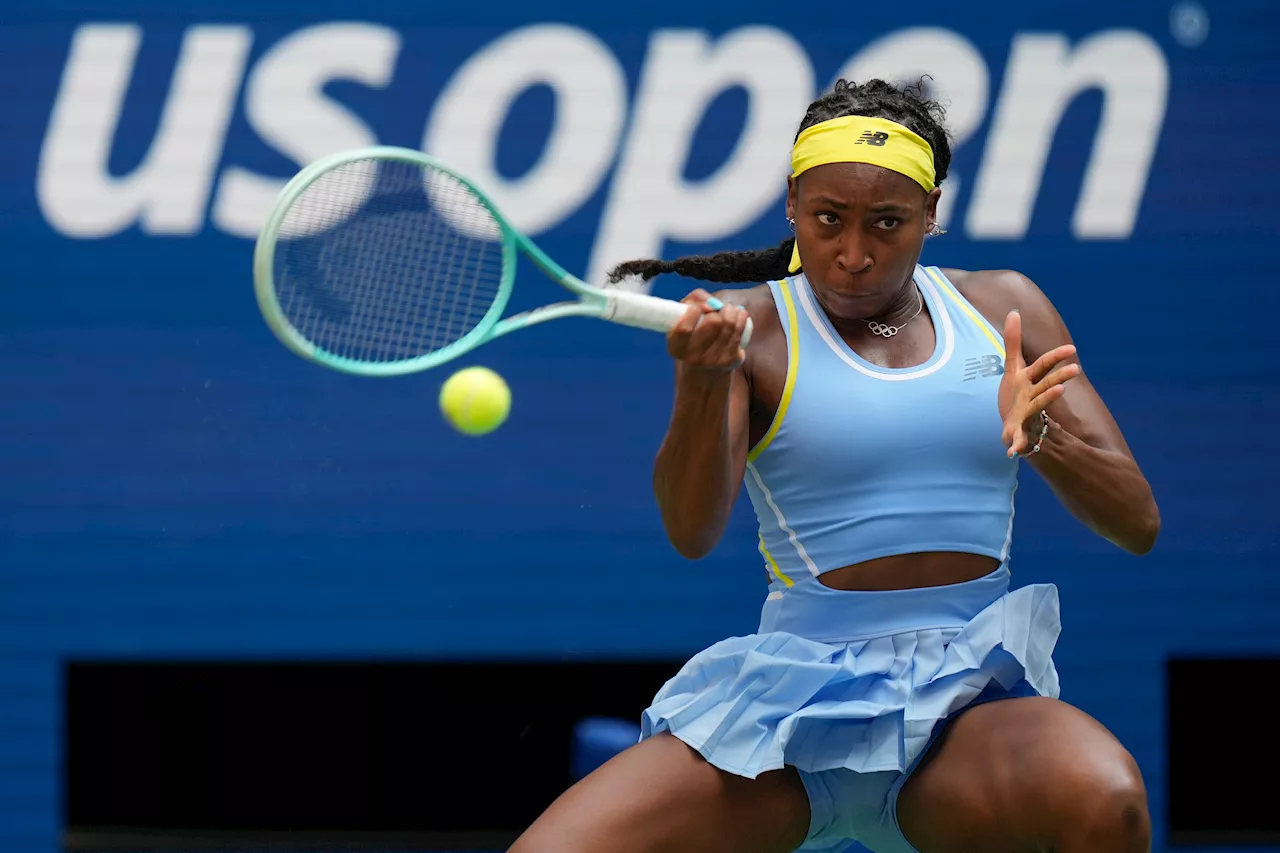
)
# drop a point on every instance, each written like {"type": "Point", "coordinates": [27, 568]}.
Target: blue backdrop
{"type": "Point", "coordinates": [173, 483]}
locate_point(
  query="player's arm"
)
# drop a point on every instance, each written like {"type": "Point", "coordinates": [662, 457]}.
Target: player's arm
{"type": "Point", "coordinates": [1084, 456]}
{"type": "Point", "coordinates": [698, 471]}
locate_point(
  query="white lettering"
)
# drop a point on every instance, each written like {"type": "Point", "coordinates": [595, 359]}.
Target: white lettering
{"type": "Point", "coordinates": [167, 193]}
{"type": "Point", "coordinates": [960, 80]}
{"type": "Point", "coordinates": [649, 201]}
{"type": "Point", "coordinates": [286, 105]}
{"type": "Point", "coordinates": [1043, 77]}
{"type": "Point", "coordinates": [683, 72]}
{"type": "Point", "coordinates": [591, 105]}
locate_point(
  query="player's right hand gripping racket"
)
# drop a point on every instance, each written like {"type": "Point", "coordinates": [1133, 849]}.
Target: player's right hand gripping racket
{"type": "Point", "coordinates": [384, 261]}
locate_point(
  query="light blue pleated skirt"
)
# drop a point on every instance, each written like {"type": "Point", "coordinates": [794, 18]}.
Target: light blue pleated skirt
{"type": "Point", "coordinates": [857, 680]}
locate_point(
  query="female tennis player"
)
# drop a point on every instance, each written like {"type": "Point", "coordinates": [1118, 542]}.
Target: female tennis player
{"type": "Point", "coordinates": [898, 692]}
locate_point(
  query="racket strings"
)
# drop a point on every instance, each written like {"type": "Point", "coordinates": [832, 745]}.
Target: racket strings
{"type": "Point", "coordinates": [385, 261]}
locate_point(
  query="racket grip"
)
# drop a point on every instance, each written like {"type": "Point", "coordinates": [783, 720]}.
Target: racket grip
{"type": "Point", "coordinates": [652, 312]}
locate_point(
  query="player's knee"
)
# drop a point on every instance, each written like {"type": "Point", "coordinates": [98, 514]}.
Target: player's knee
{"type": "Point", "coordinates": [1109, 810]}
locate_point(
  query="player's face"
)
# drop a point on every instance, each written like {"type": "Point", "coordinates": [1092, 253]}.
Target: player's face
{"type": "Point", "coordinates": [860, 229]}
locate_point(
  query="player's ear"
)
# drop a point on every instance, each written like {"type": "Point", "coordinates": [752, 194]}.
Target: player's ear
{"type": "Point", "coordinates": [931, 209]}
{"type": "Point", "coordinates": [792, 197]}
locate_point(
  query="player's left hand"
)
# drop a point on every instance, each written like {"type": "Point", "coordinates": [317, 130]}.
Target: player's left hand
{"type": "Point", "coordinates": [1026, 391]}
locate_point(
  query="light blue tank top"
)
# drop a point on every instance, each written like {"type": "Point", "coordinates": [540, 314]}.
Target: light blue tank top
{"type": "Point", "coordinates": [863, 461]}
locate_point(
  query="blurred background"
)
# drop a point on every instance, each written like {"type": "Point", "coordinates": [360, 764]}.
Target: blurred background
{"type": "Point", "coordinates": [250, 604]}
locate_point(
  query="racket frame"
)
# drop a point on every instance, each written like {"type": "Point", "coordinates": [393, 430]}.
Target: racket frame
{"type": "Point", "coordinates": [618, 306]}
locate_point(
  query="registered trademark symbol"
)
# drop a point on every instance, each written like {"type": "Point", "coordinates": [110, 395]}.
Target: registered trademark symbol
{"type": "Point", "coordinates": [1189, 23]}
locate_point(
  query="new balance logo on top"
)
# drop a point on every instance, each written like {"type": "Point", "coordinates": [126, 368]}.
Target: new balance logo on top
{"type": "Point", "coordinates": [983, 365]}
{"type": "Point", "coordinates": [870, 137]}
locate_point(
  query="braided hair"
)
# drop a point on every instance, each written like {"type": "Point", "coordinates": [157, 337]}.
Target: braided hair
{"type": "Point", "coordinates": [906, 105]}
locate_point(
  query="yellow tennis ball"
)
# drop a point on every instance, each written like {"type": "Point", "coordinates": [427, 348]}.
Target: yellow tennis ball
{"type": "Point", "coordinates": [475, 400]}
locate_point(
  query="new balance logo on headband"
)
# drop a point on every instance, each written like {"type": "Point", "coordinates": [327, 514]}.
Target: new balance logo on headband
{"type": "Point", "coordinates": [872, 137]}
{"type": "Point", "coordinates": [983, 365]}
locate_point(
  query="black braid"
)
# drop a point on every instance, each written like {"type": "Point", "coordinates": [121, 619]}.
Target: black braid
{"type": "Point", "coordinates": [724, 268]}
{"type": "Point", "coordinates": [906, 105]}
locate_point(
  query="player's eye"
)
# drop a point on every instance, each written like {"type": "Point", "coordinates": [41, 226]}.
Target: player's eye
{"type": "Point", "coordinates": [828, 219]}
{"type": "Point", "coordinates": [888, 223]}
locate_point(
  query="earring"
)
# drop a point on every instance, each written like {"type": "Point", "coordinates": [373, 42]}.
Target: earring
{"type": "Point", "coordinates": [792, 223]}
{"type": "Point", "coordinates": [935, 231]}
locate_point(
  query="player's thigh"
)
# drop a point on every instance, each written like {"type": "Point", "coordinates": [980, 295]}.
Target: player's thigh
{"type": "Point", "coordinates": [1024, 775]}
{"type": "Point", "coordinates": [660, 795]}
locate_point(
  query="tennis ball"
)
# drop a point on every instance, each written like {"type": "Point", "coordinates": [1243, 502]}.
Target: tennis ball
{"type": "Point", "coordinates": [475, 400]}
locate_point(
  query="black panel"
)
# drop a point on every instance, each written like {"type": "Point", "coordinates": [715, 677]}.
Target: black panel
{"type": "Point", "coordinates": [1223, 751]}
{"type": "Point", "coordinates": [340, 755]}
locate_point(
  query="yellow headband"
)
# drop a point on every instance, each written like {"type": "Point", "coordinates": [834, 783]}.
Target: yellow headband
{"type": "Point", "coordinates": [857, 139]}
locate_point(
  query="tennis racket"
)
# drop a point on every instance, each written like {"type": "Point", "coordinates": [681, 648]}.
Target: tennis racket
{"type": "Point", "coordinates": [384, 261]}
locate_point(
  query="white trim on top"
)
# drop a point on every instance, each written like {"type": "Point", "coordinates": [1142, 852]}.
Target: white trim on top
{"type": "Point", "coordinates": [947, 331]}
{"type": "Point", "coordinates": [782, 521]}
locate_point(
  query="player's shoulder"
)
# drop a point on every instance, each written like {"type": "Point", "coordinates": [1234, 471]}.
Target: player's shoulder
{"type": "Point", "coordinates": [996, 292]}
{"type": "Point", "coordinates": [746, 295]}
{"type": "Point", "coordinates": [756, 298]}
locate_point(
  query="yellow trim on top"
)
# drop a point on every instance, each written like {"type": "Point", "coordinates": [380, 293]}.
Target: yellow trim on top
{"type": "Point", "coordinates": [793, 363]}
{"type": "Point", "coordinates": [773, 565]}
{"type": "Point", "coordinates": [946, 287]}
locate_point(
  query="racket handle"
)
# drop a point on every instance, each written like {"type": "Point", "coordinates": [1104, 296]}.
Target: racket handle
{"type": "Point", "coordinates": [652, 312]}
